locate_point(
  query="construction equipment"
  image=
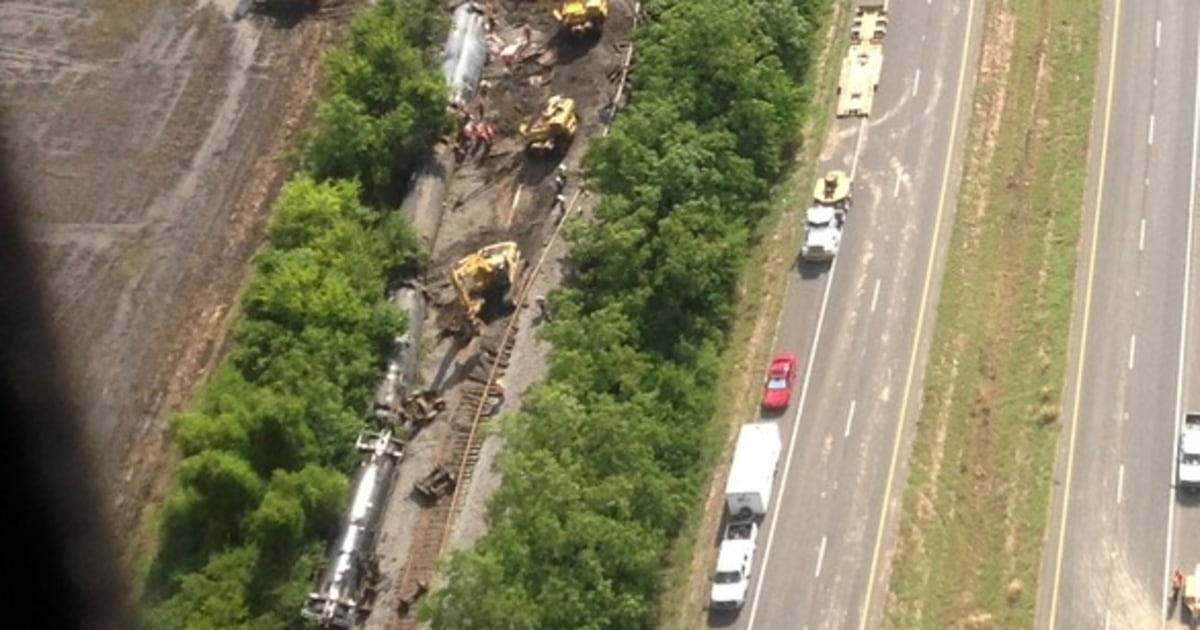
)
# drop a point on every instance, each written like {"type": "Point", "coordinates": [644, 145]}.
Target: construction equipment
{"type": "Point", "coordinates": [581, 17]}
{"type": "Point", "coordinates": [825, 218]}
{"type": "Point", "coordinates": [484, 280]}
{"type": "Point", "coordinates": [553, 128]}
{"type": "Point", "coordinates": [863, 62]}
{"type": "Point", "coordinates": [436, 484]}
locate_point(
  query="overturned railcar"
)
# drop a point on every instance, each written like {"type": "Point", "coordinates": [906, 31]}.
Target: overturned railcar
{"type": "Point", "coordinates": [345, 583]}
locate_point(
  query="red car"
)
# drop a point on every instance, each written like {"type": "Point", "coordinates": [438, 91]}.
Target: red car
{"type": "Point", "coordinates": [778, 390]}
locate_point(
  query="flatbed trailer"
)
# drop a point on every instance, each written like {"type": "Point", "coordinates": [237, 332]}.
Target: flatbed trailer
{"type": "Point", "coordinates": [863, 64]}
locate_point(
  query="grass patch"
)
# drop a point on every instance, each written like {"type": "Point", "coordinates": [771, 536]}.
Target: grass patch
{"type": "Point", "coordinates": [761, 291]}
{"type": "Point", "coordinates": [979, 482]}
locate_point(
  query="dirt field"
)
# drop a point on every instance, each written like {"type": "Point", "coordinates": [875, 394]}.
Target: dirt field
{"type": "Point", "coordinates": [147, 136]}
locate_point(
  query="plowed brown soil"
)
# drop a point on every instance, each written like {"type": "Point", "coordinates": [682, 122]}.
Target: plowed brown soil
{"type": "Point", "coordinates": [148, 138]}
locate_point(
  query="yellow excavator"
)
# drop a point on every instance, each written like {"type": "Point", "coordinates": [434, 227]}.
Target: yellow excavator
{"type": "Point", "coordinates": [484, 280]}
{"type": "Point", "coordinates": [553, 128]}
{"type": "Point", "coordinates": [581, 16]}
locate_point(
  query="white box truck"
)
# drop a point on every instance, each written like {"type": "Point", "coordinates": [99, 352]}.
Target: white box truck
{"type": "Point", "coordinates": [752, 475]}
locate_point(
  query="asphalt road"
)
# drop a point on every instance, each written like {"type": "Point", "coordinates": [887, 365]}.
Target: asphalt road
{"type": "Point", "coordinates": [824, 552]}
{"type": "Point", "coordinates": [1110, 545]}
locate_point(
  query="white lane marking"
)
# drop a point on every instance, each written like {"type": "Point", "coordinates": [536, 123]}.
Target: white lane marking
{"type": "Point", "coordinates": [1120, 483]}
{"type": "Point", "coordinates": [875, 296]}
{"type": "Point", "coordinates": [1150, 133]}
{"type": "Point", "coordinates": [862, 128]}
{"type": "Point", "coordinates": [1142, 237]}
{"type": "Point", "coordinates": [1157, 33]}
{"type": "Point", "coordinates": [896, 190]}
{"type": "Point", "coordinates": [850, 418]}
{"type": "Point", "coordinates": [916, 81]}
{"type": "Point", "coordinates": [1183, 319]}
{"type": "Point", "coordinates": [1132, 349]}
{"type": "Point", "coordinates": [517, 196]}
{"type": "Point", "coordinates": [787, 462]}
{"type": "Point", "coordinates": [1107, 619]}
{"type": "Point", "coordinates": [820, 558]}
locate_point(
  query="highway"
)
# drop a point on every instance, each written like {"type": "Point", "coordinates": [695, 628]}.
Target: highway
{"type": "Point", "coordinates": [861, 330]}
{"type": "Point", "coordinates": [1116, 529]}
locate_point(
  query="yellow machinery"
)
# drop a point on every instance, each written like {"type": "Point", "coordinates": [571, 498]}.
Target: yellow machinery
{"type": "Point", "coordinates": [833, 189]}
{"type": "Point", "coordinates": [554, 127]}
{"type": "Point", "coordinates": [581, 16]}
{"type": "Point", "coordinates": [483, 279]}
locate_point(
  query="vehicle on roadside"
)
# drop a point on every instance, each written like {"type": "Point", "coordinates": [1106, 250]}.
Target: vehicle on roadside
{"type": "Point", "coordinates": [781, 378]}
{"type": "Point", "coordinates": [825, 218]}
{"type": "Point", "coordinates": [735, 563]}
{"type": "Point", "coordinates": [752, 474]}
{"type": "Point", "coordinates": [1189, 453]}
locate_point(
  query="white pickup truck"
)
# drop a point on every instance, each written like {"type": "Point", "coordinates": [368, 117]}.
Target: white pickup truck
{"type": "Point", "coordinates": [1189, 453]}
{"type": "Point", "coordinates": [735, 562]}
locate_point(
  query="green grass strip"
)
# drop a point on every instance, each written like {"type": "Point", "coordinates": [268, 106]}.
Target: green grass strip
{"type": "Point", "coordinates": [978, 493]}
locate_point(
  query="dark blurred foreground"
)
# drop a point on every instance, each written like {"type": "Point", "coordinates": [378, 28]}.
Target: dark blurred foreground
{"type": "Point", "coordinates": [63, 567]}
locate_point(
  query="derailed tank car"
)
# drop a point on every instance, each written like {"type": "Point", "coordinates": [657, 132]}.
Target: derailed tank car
{"type": "Point", "coordinates": [345, 582]}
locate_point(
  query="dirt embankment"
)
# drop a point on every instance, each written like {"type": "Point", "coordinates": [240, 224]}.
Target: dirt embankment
{"type": "Point", "coordinates": [148, 138]}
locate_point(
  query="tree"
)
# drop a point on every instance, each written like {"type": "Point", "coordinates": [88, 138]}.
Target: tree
{"type": "Point", "coordinates": [211, 598]}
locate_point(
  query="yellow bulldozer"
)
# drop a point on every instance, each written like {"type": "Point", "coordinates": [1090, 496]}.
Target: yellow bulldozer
{"type": "Point", "coordinates": [484, 281]}
{"type": "Point", "coordinates": [581, 16]}
{"type": "Point", "coordinates": [553, 128]}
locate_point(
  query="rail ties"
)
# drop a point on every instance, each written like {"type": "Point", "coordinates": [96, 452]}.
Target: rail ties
{"type": "Point", "coordinates": [460, 451]}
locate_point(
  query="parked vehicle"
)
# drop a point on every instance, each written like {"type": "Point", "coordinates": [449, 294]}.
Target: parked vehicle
{"type": "Point", "coordinates": [826, 217]}
{"type": "Point", "coordinates": [1189, 453]}
{"type": "Point", "coordinates": [735, 563]}
{"type": "Point", "coordinates": [752, 475]}
{"type": "Point", "coordinates": [781, 377]}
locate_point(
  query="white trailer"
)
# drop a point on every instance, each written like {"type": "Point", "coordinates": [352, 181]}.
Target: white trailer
{"type": "Point", "coordinates": [752, 475]}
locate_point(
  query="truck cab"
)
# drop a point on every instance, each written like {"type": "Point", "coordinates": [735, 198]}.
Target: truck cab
{"type": "Point", "coordinates": [824, 219]}
{"type": "Point", "coordinates": [822, 233]}
{"type": "Point", "coordinates": [735, 563]}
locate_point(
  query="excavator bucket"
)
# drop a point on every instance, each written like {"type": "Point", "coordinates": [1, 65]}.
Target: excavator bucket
{"type": "Point", "coordinates": [554, 127]}
{"type": "Point", "coordinates": [581, 17]}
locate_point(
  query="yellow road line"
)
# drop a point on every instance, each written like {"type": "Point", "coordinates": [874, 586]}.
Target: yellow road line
{"type": "Point", "coordinates": [864, 615]}
{"type": "Point", "coordinates": [1087, 314]}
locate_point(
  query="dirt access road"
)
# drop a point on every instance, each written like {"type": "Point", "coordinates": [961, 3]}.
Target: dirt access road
{"type": "Point", "coordinates": [148, 137]}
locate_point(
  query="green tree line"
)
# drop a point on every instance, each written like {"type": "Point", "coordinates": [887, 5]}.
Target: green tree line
{"type": "Point", "coordinates": [266, 447]}
{"type": "Point", "coordinates": [608, 455]}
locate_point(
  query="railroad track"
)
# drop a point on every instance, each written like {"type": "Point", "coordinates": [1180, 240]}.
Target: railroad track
{"type": "Point", "coordinates": [460, 451]}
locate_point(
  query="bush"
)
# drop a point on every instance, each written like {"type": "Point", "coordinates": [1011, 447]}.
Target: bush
{"type": "Point", "coordinates": [267, 445]}
{"type": "Point", "coordinates": [605, 458]}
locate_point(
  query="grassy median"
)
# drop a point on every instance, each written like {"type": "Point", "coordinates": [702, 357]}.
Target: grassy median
{"type": "Point", "coordinates": [979, 481]}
